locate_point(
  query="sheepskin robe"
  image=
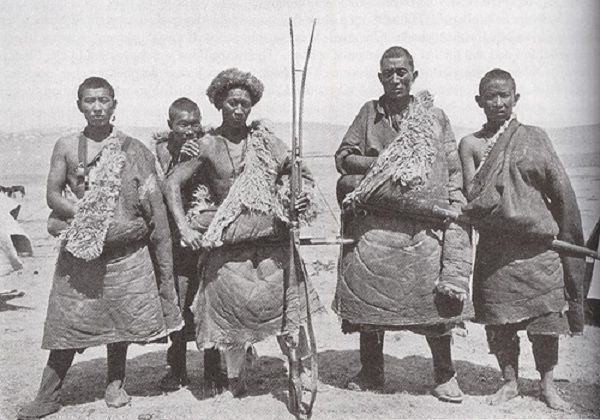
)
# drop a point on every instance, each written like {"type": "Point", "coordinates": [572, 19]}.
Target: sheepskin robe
{"type": "Point", "coordinates": [242, 295]}
{"type": "Point", "coordinates": [520, 200]}
{"type": "Point", "coordinates": [126, 293]}
{"type": "Point", "coordinates": [390, 278]}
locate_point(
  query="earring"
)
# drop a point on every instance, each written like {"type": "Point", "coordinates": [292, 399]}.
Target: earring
{"type": "Point", "coordinates": [113, 118]}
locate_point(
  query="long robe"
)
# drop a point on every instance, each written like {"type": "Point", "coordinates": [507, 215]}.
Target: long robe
{"type": "Point", "coordinates": [128, 292]}
{"type": "Point", "coordinates": [389, 278]}
{"type": "Point", "coordinates": [242, 296]}
{"type": "Point", "coordinates": [520, 200]}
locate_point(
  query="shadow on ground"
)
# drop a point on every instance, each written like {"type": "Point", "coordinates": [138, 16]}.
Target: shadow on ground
{"type": "Point", "coordinates": [412, 374]}
{"type": "Point", "coordinates": [10, 295]}
{"type": "Point", "coordinates": [86, 381]}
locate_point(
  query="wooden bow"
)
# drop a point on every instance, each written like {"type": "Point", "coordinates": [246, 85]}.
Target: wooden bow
{"type": "Point", "coordinates": [300, 346]}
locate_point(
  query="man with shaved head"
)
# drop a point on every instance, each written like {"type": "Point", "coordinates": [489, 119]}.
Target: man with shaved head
{"type": "Point", "coordinates": [520, 199]}
{"type": "Point", "coordinates": [407, 269]}
{"type": "Point", "coordinates": [185, 124]}
{"type": "Point", "coordinates": [113, 281]}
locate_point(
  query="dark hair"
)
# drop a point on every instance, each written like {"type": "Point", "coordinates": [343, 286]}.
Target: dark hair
{"type": "Point", "coordinates": [230, 79]}
{"type": "Point", "coordinates": [397, 52]}
{"type": "Point", "coordinates": [95, 82]}
{"type": "Point", "coordinates": [497, 74]}
{"type": "Point", "coordinates": [182, 104]}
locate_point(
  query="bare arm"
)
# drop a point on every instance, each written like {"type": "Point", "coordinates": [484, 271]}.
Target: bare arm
{"type": "Point", "coordinates": [57, 180]}
{"type": "Point", "coordinates": [173, 183]}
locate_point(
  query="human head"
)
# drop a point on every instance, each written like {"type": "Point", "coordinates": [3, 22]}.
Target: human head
{"type": "Point", "coordinates": [234, 78]}
{"type": "Point", "coordinates": [497, 95]}
{"type": "Point", "coordinates": [185, 119]}
{"type": "Point", "coordinates": [397, 73]}
{"type": "Point", "coordinates": [234, 93]}
{"type": "Point", "coordinates": [96, 101]}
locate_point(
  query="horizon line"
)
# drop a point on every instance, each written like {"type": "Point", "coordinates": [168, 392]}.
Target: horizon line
{"type": "Point", "coordinates": [62, 127]}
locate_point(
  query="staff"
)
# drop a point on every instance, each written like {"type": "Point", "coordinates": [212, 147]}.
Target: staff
{"type": "Point", "coordinates": [297, 272]}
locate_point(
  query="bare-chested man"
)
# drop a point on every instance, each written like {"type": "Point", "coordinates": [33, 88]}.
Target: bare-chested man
{"type": "Point", "coordinates": [185, 123]}
{"type": "Point", "coordinates": [113, 282]}
{"type": "Point", "coordinates": [520, 199]}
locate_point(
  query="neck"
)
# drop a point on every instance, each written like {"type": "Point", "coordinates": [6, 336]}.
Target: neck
{"type": "Point", "coordinates": [234, 134]}
{"type": "Point", "coordinates": [397, 105]}
{"type": "Point", "coordinates": [492, 127]}
{"type": "Point", "coordinates": [97, 133]}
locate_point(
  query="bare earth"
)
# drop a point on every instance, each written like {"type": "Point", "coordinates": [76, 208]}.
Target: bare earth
{"type": "Point", "coordinates": [408, 362]}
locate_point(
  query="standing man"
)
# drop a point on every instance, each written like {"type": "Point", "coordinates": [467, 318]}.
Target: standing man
{"type": "Point", "coordinates": [185, 123]}
{"type": "Point", "coordinates": [242, 297]}
{"type": "Point", "coordinates": [520, 199]}
{"type": "Point", "coordinates": [407, 270]}
{"type": "Point", "coordinates": [113, 282]}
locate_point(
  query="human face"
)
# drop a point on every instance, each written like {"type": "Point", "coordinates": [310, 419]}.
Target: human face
{"type": "Point", "coordinates": [97, 106]}
{"type": "Point", "coordinates": [186, 125]}
{"type": "Point", "coordinates": [236, 108]}
{"type": "Point", "coordinates": [497, 99]}
{"type": "Point", "coordinates": [397, 76]}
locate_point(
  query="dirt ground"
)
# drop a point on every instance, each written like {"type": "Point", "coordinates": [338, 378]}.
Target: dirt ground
{"type": "Point", "coordinates": [407, 361]}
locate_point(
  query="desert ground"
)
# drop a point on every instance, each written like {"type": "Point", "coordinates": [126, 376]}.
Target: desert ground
{"type": "Point", "coordinates": [407, 358]}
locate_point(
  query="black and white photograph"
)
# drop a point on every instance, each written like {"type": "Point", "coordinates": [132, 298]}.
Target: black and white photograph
{"type": "Point", "coordinates": [300, 210]}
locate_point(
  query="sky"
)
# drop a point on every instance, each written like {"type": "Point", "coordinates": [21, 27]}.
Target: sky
{"type": "Point", "coordinates": [156, 51]}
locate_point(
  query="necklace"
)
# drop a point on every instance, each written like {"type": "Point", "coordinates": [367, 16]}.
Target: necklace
{"type": "Point", "coordinates": [490, 142]}
{"type": "Point", "coordinates": [236, 172]}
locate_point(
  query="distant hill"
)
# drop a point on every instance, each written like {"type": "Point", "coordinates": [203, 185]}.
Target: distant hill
{"type": "Point", "coordinates": [28, 152]}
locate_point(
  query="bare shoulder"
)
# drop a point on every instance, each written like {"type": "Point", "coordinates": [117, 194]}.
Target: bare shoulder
{"type": "Point", "coordinates": [66, 144]}
{"type": "Point", "coordinates": [469, 142]}
{"type": "Point", "coordinates": [65, 152]}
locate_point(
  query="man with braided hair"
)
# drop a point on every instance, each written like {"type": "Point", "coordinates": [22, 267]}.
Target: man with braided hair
{"type": "Point", "coordinates": [240, 220]}
{"type": "Point", "coordinates": [407, 270]}
{"type": "Point", "coordinates": [520, 198]}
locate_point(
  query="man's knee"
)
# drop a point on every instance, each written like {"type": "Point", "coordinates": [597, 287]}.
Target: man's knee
{"type": "Point", "coordinates": [502, 339]}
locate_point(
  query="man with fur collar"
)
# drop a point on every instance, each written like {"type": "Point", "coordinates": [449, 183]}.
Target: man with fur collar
{"type": "Point", "coordinates": [407, 270]}
{"type": "Point", "coordinates": [113, 282]}
{"type": "Point", "coordinates": [240, 220]}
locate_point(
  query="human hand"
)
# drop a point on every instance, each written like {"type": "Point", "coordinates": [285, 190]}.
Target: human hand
{"type": "Point", "coordinates": [190, 238]}
{"type": "Point", "coordinates": [302, 202]}
{"type": "Point", "coordinates": [190, 149]}
{"type": "Point", "coordinates": [453, 292]}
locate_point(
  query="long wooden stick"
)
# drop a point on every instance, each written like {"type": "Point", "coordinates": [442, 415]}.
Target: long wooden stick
{"type": "Point", "coordinates": [297, 270]}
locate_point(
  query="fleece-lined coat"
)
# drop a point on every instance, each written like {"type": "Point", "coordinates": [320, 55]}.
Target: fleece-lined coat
{"type": "Point", "coordinates": [128, 292]}
{"type": "Point", "coordinates": [243, 295]}
{"type": "Point", "coordinates": [390, 278]}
